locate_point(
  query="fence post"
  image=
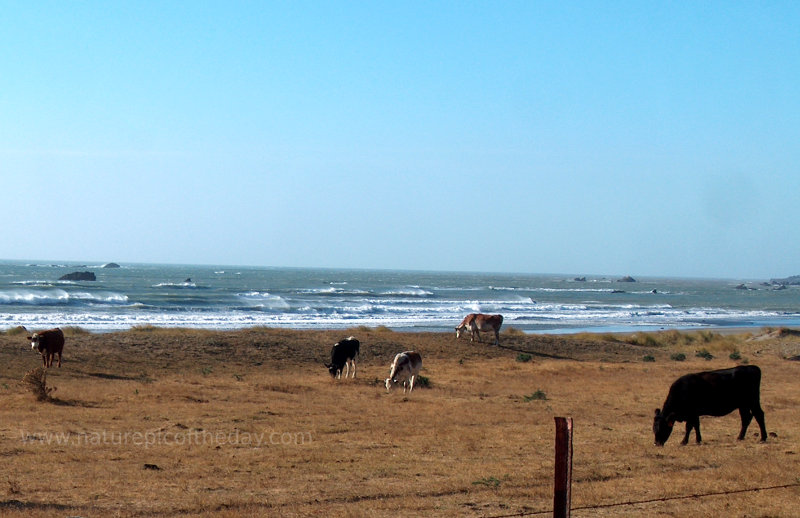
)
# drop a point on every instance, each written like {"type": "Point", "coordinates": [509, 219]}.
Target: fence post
{"type": "Point", "coordinates": [562, 493]}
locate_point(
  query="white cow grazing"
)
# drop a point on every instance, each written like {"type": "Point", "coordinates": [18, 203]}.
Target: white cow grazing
{"type": "Point", "coordinates": [405, 369]}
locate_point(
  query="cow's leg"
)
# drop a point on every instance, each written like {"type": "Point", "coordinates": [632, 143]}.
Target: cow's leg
{"type": "Point", "coordinates": [354, 368]}
{"type": "Point", "coordinates": [59, 359]}
{"type": "Point", "coordinates": [412, 383]}
{"type": "Point", "coordinates": [44, 360]}
{"type": "Point", "coordinates": [759, 415]}
{"type": "Point", "coordinates": [747, 416]}
{"type": "Point", "coordinates": [696, 423]}
{"type": "Point", "coordinates": [496, 337]}
{"type": "Point", "coordinates": [691, 422]}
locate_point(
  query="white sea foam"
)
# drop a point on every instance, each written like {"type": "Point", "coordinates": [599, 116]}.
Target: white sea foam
{"type": "Point", "coordinates": [57, 296]}
{"type": "Point", "coordinates": [187, 284]}
{"type": "Point", "coordinates": [408, 292]}
{"type": "Point", "coordinates": [264, 299]}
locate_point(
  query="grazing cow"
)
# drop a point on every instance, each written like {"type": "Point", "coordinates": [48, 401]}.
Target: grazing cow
{"type": "Point", "coordinates": [343, 356]}
{"type": "Point", "coordinates": [714, 393]}
{"type": "Point", "coordinates": [48, 343]}
{"type": "Point", "coordinates": [476, 322]}
{"type": "Point", "coordinates": [405, 368]}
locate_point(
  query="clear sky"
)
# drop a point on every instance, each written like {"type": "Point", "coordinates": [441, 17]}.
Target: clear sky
{"type": "Point", "coordinates": [642, 138]}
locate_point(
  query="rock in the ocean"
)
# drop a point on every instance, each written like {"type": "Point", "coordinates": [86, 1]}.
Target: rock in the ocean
{"type": "Point", "coordinates": [794, 280]}
{"type": "Point", "coordinates": [111, 265]}
{"type": "Point", "coordinates": [78, 276]}
{"type": "Point", "coordinates": [627, 278]}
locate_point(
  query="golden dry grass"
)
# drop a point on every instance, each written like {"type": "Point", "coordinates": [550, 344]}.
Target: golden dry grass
{"type": "Point", "coordinates": [249, 423]}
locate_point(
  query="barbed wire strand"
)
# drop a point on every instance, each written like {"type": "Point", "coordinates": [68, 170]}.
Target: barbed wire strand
{"type": "Point", "coordinates": [652, 500]}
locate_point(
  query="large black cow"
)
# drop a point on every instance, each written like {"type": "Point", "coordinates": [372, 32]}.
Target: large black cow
{"type": "Point", "coordinates": [714, 393]}
{"type": "Point", "coordinates": [343, 356]}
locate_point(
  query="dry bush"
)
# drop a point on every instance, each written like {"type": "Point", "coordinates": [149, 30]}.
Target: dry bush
{"type": "Point", "coordinates": [36, 381]}
{"type": "Point", "coordinates": [513, 331]}
{"type": "Point", "coordinates": [15, 331]}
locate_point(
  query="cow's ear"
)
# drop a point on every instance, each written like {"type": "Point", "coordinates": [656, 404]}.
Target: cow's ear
{"type": "Point", "coordinates": [658, 412]}
{"type": "Point", "coordinates": [30, 338]}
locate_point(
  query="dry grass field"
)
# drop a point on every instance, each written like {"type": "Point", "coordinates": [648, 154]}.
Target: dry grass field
{"type": "Point", "coordinates": [153, 422]}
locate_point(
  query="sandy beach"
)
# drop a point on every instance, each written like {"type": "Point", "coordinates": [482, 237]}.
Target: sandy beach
{"type": "Point", "coordinates": [154, 422]}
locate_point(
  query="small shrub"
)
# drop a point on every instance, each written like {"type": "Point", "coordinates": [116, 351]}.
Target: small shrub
{"type": "Point", "coordinates": [707, 336]}
{"type": "Point", "coordinates": [206, 371]}
{"type": "Point", "coordinates": [36, 380]}
{"type": "Point", "coordinates": [512, 331]}
{"type": "Point", "coordinates": [16, 331]}
{"type": "Point", "coordinates": [649, 358]}
{"type": "Point", "coordinates": [539, 395]}
{"type": "Point", "coordinates": [735, 355]}
{"type": "Point", "coordinates": [145, 328]}
{"type": "Point", "coordinates": [75, 331]}
{"type": "Point", "coordinates": [703, 353]}
{"type": "Point", "coordinates": [492, 482]}
{"type": "Point", "coordinates": [524, 357]}
{"type": "Point", "coordinates": [678, 357]}
{"type": "Point", "coordinates": [422, 382]}
{"type": "Point", "coordinates": [644, 340]}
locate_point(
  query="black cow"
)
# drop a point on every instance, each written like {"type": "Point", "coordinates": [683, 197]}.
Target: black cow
{"type": "Point", "coordinates": [343, 355]}
{"type": "Point", "coordinates": [714, 393]}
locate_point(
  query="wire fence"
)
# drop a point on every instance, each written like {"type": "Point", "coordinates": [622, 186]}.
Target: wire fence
{"type": "Point", "coordinates": [653, 500]}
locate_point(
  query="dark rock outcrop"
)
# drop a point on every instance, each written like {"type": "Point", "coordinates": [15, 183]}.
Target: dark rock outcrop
{"type": "Point", "coordinates": [627, 278]}
{"type": "Point", "coordinates": [78, 276]}
{"type": "Point", "coordinates": [794, 280]}
{"type": "Point", "coordinates": [111, 265]}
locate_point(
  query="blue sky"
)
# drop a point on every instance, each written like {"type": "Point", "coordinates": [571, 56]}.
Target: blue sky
{"type": "Point", "coordinates": [641, 138]}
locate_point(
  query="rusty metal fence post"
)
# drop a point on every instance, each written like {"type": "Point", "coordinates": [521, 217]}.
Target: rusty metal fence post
{"type": "Point", "coordinates": [562, 493]}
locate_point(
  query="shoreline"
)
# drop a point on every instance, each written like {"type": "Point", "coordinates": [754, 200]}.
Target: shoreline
{"type": "Point", "coordinates": [734, 329]}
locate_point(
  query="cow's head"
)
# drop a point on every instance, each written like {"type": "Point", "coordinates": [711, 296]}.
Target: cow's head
{"type": "Point", "coordinates": [34, 340]}
{"type": "Point", "coordinates": [333, 369]}
{"type": "Point", "coordinates": [390, 384]}
{"type": "Point", "coordinates": [459, 329]}
{"type": "Point", "coordinates": [662, 427]}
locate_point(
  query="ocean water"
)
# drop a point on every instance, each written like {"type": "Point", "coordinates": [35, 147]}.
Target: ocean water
{"type": "Point", "coordinates": [230, 297]}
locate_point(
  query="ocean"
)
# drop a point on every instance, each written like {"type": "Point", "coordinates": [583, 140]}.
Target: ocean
{"type": "Point", "coordinates": [234, 297]}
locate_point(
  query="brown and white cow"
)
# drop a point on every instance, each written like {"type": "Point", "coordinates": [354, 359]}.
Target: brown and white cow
{"type": "Point", "coordinates": [48, 343]}
{"type": "Point", "coordinates": [476, 322]}
{"type": "Point", "coordinates": [405, 369]}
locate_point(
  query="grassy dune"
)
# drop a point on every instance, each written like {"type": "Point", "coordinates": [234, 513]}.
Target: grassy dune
{"type": "Point", "coordinates": [154, 422]}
